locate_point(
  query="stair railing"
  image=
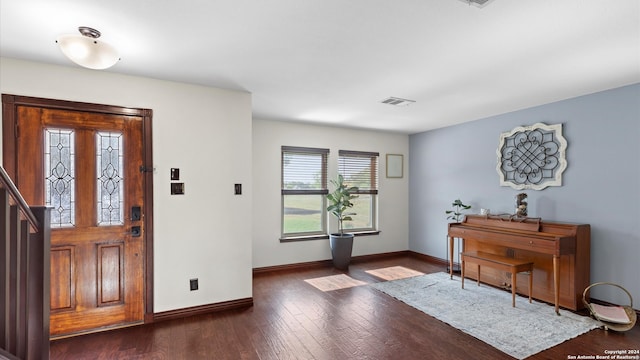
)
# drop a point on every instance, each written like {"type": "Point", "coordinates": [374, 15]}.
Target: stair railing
{"type": "Point", "coordinates": [25, 243]}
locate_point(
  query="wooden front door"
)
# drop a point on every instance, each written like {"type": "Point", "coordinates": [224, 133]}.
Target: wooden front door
{"type": "Point", "coordinates": [89, 167]}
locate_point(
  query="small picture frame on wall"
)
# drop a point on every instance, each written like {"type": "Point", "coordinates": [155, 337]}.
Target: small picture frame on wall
{"type": "Point", "coordinates": [394, 166]}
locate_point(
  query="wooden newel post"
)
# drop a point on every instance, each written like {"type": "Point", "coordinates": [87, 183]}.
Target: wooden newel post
{"type": "Point", "coordinates": [39, 286]}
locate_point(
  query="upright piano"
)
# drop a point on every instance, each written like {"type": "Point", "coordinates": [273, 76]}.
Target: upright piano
{"type": "Point", "coordinates": [560, 253]}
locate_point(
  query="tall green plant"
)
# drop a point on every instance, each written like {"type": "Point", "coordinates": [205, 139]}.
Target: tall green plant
{"type": "Point", "coordinates": [455, 214]}
{"type": "Point", "coordinates": [340, 201]}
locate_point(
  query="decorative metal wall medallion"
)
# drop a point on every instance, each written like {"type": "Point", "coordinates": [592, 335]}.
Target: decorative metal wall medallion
{"type": "Point", "coordinates": [532, 157]}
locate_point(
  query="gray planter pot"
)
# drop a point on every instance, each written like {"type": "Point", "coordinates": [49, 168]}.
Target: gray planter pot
{"type": "Point", "coordinates": [341, 247]}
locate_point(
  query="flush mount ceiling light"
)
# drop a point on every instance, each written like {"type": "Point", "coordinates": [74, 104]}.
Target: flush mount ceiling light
{"type": "Point", "coordinates": [478, 3]}
{"type": "Point", "coordinates": [397, 101]}
{"type": "Point", "coordinates": [85, 49]}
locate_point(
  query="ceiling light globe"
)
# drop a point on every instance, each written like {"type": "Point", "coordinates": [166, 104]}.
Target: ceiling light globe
{"type": "Point", "coordinates": [88, 52]}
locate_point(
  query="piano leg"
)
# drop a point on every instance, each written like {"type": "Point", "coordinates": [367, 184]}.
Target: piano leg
{"type": "Point", "coordinates": [556, 282]}
{"type": "Point", "coordinates": [514, 281]}
{"type": "Point", "coordinates": [462, 265]}
{"type": "Point", "coordinates": [451, 257]}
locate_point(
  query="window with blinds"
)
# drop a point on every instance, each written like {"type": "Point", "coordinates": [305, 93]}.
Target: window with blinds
{"type": "Point", "coordinates": [304, 190]}
{"type": "Point", "coordinates": [360, 169]}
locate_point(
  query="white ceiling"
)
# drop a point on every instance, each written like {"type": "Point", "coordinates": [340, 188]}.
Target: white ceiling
{"type": "Point", "coordinates": [333, 61]}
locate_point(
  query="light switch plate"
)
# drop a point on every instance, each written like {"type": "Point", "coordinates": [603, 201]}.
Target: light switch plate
{"type": "Point", "coordinates": [175, 174]}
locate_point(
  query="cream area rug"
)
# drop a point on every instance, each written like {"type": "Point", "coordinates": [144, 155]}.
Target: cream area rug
{"type": "Point", "coordinates": [486, 313]}
{"type": "Point", "coordinates": [394, 273]}
{"type": "Point", "coordinates": [334, 282]}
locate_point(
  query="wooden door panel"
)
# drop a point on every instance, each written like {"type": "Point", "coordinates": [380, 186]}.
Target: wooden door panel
{"type": "Point", "coordinates": [30, 146]}
{"type": "Point", "coordinates": [110, 274]}
{"type": "Point", "coordinates": [85, 185]}
{"type": "Point", "coordinates": [83, 120]}
{"type": "Point", "coordinates": [66, 323]}
{"type": "Point", "coordinates": [63, 274]}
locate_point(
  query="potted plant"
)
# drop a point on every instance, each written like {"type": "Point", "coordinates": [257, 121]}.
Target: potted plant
{"type": "Point", "coordinates": [456, 215]}
{"type": "Point", "coordinates": [341, 243]}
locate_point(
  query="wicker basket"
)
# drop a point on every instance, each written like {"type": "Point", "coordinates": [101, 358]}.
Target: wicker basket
{"type": "Point", "coordinates": [628, 309]}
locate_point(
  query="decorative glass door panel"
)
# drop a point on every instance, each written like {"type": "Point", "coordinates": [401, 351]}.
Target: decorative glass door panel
{"type": "Point", "coordinates": [109, 160]}
{"type": "Point", "coordinates": [60, 175]}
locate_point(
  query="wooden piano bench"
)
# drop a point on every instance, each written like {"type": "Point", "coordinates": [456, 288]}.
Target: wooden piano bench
{"type": "Point", "coordinates": [501, 263]}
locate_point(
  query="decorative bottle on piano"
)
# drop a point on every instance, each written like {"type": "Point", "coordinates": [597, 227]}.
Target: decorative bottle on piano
{"type": "Point", "coordinates": [521, 205]}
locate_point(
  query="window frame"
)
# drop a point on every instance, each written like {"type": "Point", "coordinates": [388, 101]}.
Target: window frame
{"type": "Point", "coordinates": [322, 191]}
{"type": "Point", "coordinates": [374, 180]}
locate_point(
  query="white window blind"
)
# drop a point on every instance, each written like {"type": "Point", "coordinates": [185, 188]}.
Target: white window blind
{"type": "Point", "coordinates": [360, 169]}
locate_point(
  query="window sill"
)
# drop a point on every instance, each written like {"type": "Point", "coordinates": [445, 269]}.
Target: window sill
{"type": "Point", "coordinates": [304, 238]}
{"type": "Point", "coordinates": [322, 237]}
{"type": "Point", "coordinates": [366, 233]}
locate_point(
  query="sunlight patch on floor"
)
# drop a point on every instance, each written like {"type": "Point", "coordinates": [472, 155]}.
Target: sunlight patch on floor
{"type": "Point", "coordinates": [334, 282]}
{"type": "Point", "coordinates": [393, 273]}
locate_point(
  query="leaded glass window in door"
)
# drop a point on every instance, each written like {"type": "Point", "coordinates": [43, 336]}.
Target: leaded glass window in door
{"type": "Point", "coordinates": [60, 176]}
{"type": "Point", "coordinates": [110, 173]}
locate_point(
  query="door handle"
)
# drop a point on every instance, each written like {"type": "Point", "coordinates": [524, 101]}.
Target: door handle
{"type": "Point", "coordinates": [136, 231]}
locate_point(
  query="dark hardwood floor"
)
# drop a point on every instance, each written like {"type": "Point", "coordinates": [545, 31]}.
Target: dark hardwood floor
{"type": "Point", "coordinates": [291, 319]}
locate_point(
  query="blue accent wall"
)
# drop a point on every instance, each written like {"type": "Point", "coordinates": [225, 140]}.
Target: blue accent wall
{"type": "Point", "coordinates": [600, 187]}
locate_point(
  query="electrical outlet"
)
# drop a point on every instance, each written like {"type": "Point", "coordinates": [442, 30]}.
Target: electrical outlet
{"type": "Point", "coordinates": [193, 284]}
{"type": "Point", "coordinates": [177, 188]}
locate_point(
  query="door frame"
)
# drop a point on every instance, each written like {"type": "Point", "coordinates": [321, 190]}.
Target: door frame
{"type": "Point", "coordinates": [10, 161]}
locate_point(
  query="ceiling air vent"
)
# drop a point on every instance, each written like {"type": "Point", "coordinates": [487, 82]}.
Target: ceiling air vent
{"type": "Point", "coordinates": [479, 3]}
{"type": "Point", "coordinates": [397, 101]}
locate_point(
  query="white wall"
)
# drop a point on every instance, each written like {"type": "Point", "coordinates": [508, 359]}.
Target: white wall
{"type": "Point", "coordinates": [269, 136]}
{"type": "Point", "coordinates": [206, 132]}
